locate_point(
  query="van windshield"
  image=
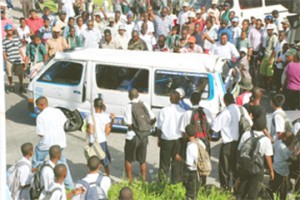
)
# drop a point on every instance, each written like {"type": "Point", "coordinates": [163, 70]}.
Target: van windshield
{"type": "Point", "coordinates": [273, 2]}
{"type": "Point", "coordinates": [167, 81]}
{"type": "Point", "coordinates": [246, 4]}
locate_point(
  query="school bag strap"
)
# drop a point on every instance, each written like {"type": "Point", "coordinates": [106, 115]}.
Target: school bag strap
{"type": "Point", "coordinates": [50, 193]}
{"type": "Point", "coordinates": [87, 185]}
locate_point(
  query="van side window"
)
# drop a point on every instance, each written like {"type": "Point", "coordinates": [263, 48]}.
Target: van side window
{"type": "Point", "coordinates": [122, 78]}
{"type": "Point", "coordinates": [166, 81]}
{"type": "Point", "coordinates": [63, 72]}
{"type": "Point", "coordinates": [246, 4]}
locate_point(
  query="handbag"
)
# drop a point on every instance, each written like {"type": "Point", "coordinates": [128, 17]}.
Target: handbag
{"type": "Point", "coordinates": [93, 149]}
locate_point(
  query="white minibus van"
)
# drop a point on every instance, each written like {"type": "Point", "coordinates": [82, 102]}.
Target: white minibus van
{"type": "Point", "coordinates": [72, 80]}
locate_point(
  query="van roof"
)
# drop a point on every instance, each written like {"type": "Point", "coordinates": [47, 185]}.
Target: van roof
{"type": "Point", "coordinates": [189, 61]}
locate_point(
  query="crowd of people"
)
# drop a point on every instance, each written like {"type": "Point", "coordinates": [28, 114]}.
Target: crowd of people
{"type": "Point", "coordinates": [259, 48]}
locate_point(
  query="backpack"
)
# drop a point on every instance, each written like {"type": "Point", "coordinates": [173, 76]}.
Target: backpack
{"type": "Point", "coordinates": [13, 181]}
{"type": "Point", "coordinates": [244, 124]}
{"type": "Point", "coordinates": [250, 159]}
{"type": "Point", "coordinates": [200, 121]}
{"type": "Point", "coordinates": [287, 123]}
{"type": "Point", "coordinates": [50, 193]}
{"type": "Point", "coordinates": [203, 163]}
{"type": "Point", "coordinates": [141, 122]}
{"type": "Point", "coordinates": [35, 187]}
{"type": "Point", "coordinates": [94, 190]}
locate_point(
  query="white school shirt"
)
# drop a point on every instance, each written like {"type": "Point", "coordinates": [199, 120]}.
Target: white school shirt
{"type": "Point", "coordinates": [255, 38]}
{"type": "Point", "coordinates": [128, 116]}
{"type": "Point", "coordinates": [265, 148]}
{"type": "Point", "coordinates": [228, 50]}
{"type": "Point", "coordinates": [101, 120]}
{"type": "Point", "coordinates": [23, 33]}
{"type": "Point", "coordinates": [91, 178]}
{"type": "Point", "coordinates": [236, 34]}
{"type": "Point", "coordinates": [168, 122]}
{"type": "Point", "coordinates": [121, 41]}
{"type": "Point", "coordinates": [91, 38]}
{"type": "Point", "coordinates": [281, 155]}
{"type": "Point", "coordinates": [58, 194]}
{"type": "Point", "coordinates": [24, 175]}
{"type": "Point", "coordinates": [150, 26]}
{"type": "Point", "coordinates": [192, 154]}
{"type": "Point", "coordinates": [277, 124]}
{"type": "Point", "coordinates": [129, 28]}
{"type": "Point", "coordinates": [47, 175]}
{"type": "Point", "coordinates": [228, 123]}
{"type": "Point", "coordinates": [182, 18]}
{"type": "Point", "coordinates": [50, 125]}
{"type": "Point", "coordinates": [213, 34]}
{"type": "Point", "coordinates": [187, 115]}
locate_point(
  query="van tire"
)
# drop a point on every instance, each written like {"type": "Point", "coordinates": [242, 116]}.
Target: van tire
{"type": "Point", "coordinates": [74, 121]}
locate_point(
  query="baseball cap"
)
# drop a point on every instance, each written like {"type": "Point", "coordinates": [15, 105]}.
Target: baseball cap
{"type": "Point", "coordinates": [271, 26]}
{"type": "Point", "coordinates": [185, 4]}
{"type": "Point", "coordinates": [269, 17]}
{"type": "Point", "coordinates": [214, 1]}
{"type": "Point", "coordinates": [244, 49]}
{"type": "Point", "coordinates": [192, 15]}
{"type": "Point", "coordinates": [227, 4]}
{"type": "Point", "coordinates": [198, 11]}
{"type": "Point", "coordinates": [122, 27]}
{"type": "Point", "coordinates": [8, 27]}
{"type": "Point", "coordinates": [180, 91]}
{"type": "Point", "coordinates": [130, 14]}
{"type": "Point", "coordinates": [235, 19]}
{"type": "Point", "coordinates": [192, 39]}
{"type": "Point", "coordinates": [290, 52]}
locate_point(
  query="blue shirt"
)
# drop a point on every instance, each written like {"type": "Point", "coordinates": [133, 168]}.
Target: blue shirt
{"type": "Point", "coordinates": [183, 105]}
{"type": "Point", "coordinates": [225, 30]}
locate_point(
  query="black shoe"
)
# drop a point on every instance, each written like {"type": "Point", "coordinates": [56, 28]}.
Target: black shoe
{"type": "Point", "coordinates": [22, 90]}
{"type": "Point", "coordinates": [11, 89]}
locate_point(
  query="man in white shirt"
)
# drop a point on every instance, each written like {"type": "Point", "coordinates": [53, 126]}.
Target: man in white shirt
{"type": "Point", "coordinates": [150, 25]}
{"type": "Point", "coordinates": [236, 30]}
{"type": "Point", "coordinates": [129, 25]}
{"type": "Point", "coordinates": [121, 38]}
{"type": "Point", "coordinates": [278, 119]}
{"type": "Point", "coordinates": [24, 174]}
{"type": "Point", "coordinates": [225, 49]}
{"type": "Point", "coordinates": [47, 173]}
{"type": "Point", "coordinates": [94, 176]}
{"type": "Point", "coordinates": [183, 15]}
{"type": "Point", "coordinates": [248, 188]}
{"type": "Point", "coordinates": [50, 127]}
{"type": "Point", "coordinates": [57, 190]}
{"type": "Point", "coordinates": [135, 145]}
{"type": "Point", "coordinates": [169, 139]}
{"type": "Point", "coordinates": [227, 122]}
{"type": "Point", "coordinates": [90, 36]}
{"type": "Point", "coordinates": [148, 38]}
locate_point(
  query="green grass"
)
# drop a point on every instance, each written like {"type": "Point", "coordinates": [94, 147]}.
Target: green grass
{"type": "Point", "coordinates": [163, 191]}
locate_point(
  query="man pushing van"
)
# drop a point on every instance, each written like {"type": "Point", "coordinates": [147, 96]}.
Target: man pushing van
{"type": "Point", "coordinates": [139, 119]}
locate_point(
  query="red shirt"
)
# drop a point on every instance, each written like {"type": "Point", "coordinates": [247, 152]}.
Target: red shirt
{"type": "Point", "coordinates": [35, 24]}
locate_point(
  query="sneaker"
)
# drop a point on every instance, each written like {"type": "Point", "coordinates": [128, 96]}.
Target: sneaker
{"type": "Point", "coordinates": [22, 90]}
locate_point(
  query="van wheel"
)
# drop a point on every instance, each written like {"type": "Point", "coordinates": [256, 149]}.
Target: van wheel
{"type": "Point", "coordinates": [74, 121]}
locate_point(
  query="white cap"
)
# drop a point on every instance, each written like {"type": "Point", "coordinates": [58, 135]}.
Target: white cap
{"type": "Point", "coordinates": [198, 11]}
{"type": "Point", "coordinates": [185, 4]}
{"type": "Point", "coordinates": [191, 14]}
{"type": "Point", "coordinates": [122, 27]}
{"type": "Point", "coordinates": [235, 19]}
{"type": "Point", "coordinates": [271, 26]}
{"type": "Point", "coordinates": [244, 49]}
{"type": "Point", "coordinates": [215, 2]}
{"type": "Point", "coordinates": [181, 92]}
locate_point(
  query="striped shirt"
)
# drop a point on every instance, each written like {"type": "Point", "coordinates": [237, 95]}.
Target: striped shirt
{"type": "Point", "coordinates": [11, 48]}
{"type": "Point", "coordinates": [163, 26]}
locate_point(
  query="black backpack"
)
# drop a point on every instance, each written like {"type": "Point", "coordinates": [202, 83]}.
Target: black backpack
{"type": "Point", "coordinates": [141, 122]}
{"type": "Point", "coordinates": [244, 124]}
{"type": "Point", "coordinates": [250, 159]}
{"type": "Point", "coordinates": [200, 121]}
{"type": "Point", "coordinates": [35, 187]}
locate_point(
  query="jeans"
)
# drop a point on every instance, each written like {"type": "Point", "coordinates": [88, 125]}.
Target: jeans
{"type": "Point", "coordinates": [39, 156]}
{"type": "Point", "coordinates": [9, 4]}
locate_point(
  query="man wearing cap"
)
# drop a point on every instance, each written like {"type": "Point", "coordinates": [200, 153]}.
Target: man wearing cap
{"type": "Point", "coordinates": [199, 20]}
{"type": "Point", "coordinates": [266, 67]}
{"type": "Point", "coordinates": [183, 15]}
{"type": "Point", "coordinates": [224, 29]}
{"type": "Point", "coordinates": [107, 42]}
{"type": "Point", "coordinates": [192, 47]}
{"type": "Point", "coordinates": [5, 21]}
{"type": "Point", "coordinates": [57, 43]}
{"type": "Point", "coordinates": [190, 25]}
{"type": "Point", "coordinates": [215, 10]}
{"type": "Point", "coordinates": [34, 22]}
{"type": "Point", "coordinates": [129, 25]}
{"type": "Point", "coordinates": [27, 5]}
{"type": "Point", "coordinates": [90, 36]}
{"type": "Point", "coordinates": [12, 53]}
{"type": "Point", "coordinates": [148, 38]}
{"type": "Point", "coordinates": [226, 13]}
{"type": "Point", "coordinates": [121, 38]}
{"type": "Point", "coordinates": [236, 30]}
{"type": "Point", "coordinates": [268, 20]}
{"type": "Point", "coordinates": [100, 22]}
{"type": "Point", "coordinates": [112, 27]}
{"type": "Point", "coordinates": [163, 23]}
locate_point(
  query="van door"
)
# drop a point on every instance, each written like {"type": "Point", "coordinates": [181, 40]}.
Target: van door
{"type": "Point", "coordinates": [63, 84]}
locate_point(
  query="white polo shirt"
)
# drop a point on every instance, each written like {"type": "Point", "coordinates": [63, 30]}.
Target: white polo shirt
{"type": "Point", "coordinates": [128, 116]}
{"type": "Point", "coordinates": [47, 175]}
{"type": "Point", "coordinates": [265, 148]}
{"type": "Point", "coordinates": [101, 120]}
{"type": "Point", "coordinates": [58, 194]}
{"type": "Point", "coordinates": [168, 122]}
{"type": "Point", "coordinates": [228, 50]}
{"type": "Point", "coordinates": [91, 178]}
{"type": "Point", "coordinates": [192, 154]}
{"type": "Point", "coordinates": [277, 124]}
{"type": "Point", "coordinates": [187, 115]}
{"type": "Point", "coordinates": [228, 123]}
{"type": "Point", "coordinates": [50, 126]}
{"type": "Point", "coordinates": [24, 175]}
{"type": "Point", "coordinates": [281, 155]}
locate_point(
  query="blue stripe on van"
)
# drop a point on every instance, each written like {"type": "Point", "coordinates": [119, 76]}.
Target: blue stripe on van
{"type": "Point", "coordinates": [211, 86]}
{"type": "Point", "coordinates": [221, 80]}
